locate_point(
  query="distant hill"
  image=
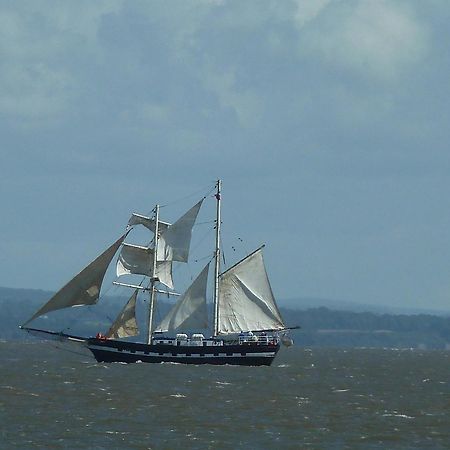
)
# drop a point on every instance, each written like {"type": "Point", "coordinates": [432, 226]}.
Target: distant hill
{"type": "Point", "coordinates": [321, 326]}
{"type": "Point", "coordinates": [327, 328]}
{"type": "Point", "coordinates": [343, 305]}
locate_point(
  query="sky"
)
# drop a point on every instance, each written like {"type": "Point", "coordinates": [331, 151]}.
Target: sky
{"type": "Point", "coordinates": [327, 121]}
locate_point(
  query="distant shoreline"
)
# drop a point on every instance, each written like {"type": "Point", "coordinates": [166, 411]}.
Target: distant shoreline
{"type": "Point", "coordinates": [320, 326]}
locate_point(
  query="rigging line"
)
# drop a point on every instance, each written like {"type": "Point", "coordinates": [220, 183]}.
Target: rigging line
{"type": "Point", "coordinates": [204, 257]}
{"type": "Point", "coordinates": [88, 311]}
{"type": "Point", "coordinates": [107, 316]}
{"type": "Point", "coordinates": [76, 316]}
{"type": "Point", "coordinates": [201, 240]}
{"type": "Point", "coordinates": [210, 187]}
{"type": "Point", "coordinates": [69, 351]}
{"type": "Point", "coordinates": [105, 292]}
{"type": "Point", "coordinates": [147, 213]}
{"type": "Point", "coordinates": [204, 223]}
{"type": "Point", "coordinates": [110, 289]}
{"type": "Point", "coordinates": [223, 251]}
{"type": "Point", "coordinates": [119, 287]}
{"type": "Point", "coordinates": [210, 257]}
{"type": "Point", "coordinates": [158, 313]}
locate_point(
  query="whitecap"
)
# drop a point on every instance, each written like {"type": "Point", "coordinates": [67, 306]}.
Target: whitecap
{"type": "Point", "coordinates": [404, 416]}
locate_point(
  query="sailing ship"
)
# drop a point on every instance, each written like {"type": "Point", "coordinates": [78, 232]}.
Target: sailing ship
{"type": "Point", "coordinates": [247, 327]}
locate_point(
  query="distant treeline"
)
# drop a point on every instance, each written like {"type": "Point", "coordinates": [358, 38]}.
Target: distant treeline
{"type": "Point", "coordinates": [319, 326]}
{"type": "Point", "coordinates": [328, 328]}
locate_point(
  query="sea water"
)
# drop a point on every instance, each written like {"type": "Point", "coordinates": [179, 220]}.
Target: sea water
{"type": "Point", "coordinates": [308, 398]}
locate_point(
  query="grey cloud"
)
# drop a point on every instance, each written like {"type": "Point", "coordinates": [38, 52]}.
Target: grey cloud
{"type": "Point", "coordinates": [321, 113]}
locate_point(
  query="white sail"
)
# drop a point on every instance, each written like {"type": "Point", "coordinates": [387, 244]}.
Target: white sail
{"type": "Point", "coordinates": [164, 273]}
{"type": "Point", "coordinates": [189, 313]}
{"type": "Point", "coordinates": [137, 260]}
{"type": "Point", "coordinates": [148, 222]}
{"type": "Point", "coordinates": [134, 259]}
{"type": "Point", "coordinates": [84, 288]}
{"type": "Point", "coordinates": [246, 301]}
{"type": "Point", "coordinates": [175, 240]}
{"type": "Point", "coordinates": [125, 325]}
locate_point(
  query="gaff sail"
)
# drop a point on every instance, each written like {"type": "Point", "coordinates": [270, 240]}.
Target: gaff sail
{"type": "Point", "coordinates": [246, 301]}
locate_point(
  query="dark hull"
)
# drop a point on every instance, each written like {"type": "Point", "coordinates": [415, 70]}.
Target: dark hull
{"type": "Point", "coordinates": [248, 354]}
{"type": "Point", "coordinates": [208, 352]}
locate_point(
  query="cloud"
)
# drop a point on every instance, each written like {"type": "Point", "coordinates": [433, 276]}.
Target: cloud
{"type": "Point", "coordinates": [34, 92]}
{"type": "Point", "coordinates": [328, 111]}
{"type": "Point", "coordinates": [375, 39]}
{"type": "Point", "coordinates": [308, 10]}
{"type": "Point", "coordinates": [246, 104]}
{"type": "Point", "coordinates": [38, 43]}
{"type": "Point", "coordinates": [148, 64]}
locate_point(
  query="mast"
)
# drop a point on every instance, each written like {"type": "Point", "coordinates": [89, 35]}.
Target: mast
{"type": "Point", "coordinates": [217, 261]}
{"type": "Point", "coordinates": [154, 279]}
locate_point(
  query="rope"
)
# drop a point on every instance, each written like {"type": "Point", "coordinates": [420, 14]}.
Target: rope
{"type": "Point", "coordinates": [210, 190]}
{"type": "Point", "coordinates": [68, 351]}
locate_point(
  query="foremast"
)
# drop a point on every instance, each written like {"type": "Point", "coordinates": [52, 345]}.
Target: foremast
{"type": "Point", "coordinates": [217, 260]}
{"type": "Point", "coordinates": [153, 279]}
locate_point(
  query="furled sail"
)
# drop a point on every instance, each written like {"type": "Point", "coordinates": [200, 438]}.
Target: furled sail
{"type": "Point", "coordinates": [246, 301]}
{"type": "Point", "coordinates": [84, 288]}
{"type": "Point", "coordinates": [189, 313]}
{"type": "Point", "coordinates": [138, 260]}
{"type": "Point", "coordinates": [125, 325]}
{"type": "Point", "coordinates": [148, 222]}
{"type": "Point", "coordinates": [175, 240]}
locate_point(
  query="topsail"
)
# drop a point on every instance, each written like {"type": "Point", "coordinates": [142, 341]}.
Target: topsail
{"type": "Point", "coordinates": [173, 245]}
{"type": "Point", "coordinates": [175, 241]}
{"type": "Point", "coordinates": [148, 222]}
{"type": "Point", "coordinates": [137, 260]}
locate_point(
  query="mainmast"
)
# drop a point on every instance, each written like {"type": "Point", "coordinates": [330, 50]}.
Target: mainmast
{"type": "Point", "coordinates": [154, 278]}
{"type": "Point", "coordinates": [217, 261]}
